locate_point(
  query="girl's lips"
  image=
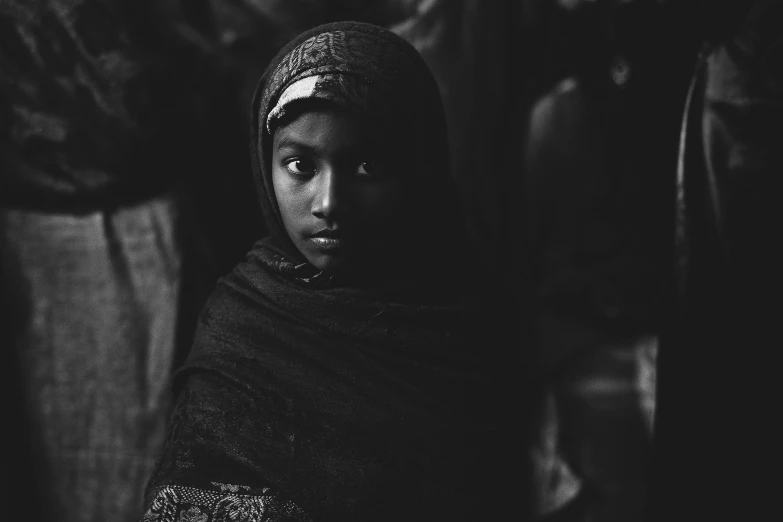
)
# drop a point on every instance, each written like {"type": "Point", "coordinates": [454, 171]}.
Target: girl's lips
{"type": "Point", "coordinates": [328, 243]}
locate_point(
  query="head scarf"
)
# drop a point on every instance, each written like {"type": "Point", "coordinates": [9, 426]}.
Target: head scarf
{"type": "Point", "coordinates": [310, 401]}
{"type": "Point", "coordinates": [371, 70]}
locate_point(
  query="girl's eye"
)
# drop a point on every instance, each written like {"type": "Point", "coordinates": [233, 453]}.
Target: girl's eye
{"type": "Point", "coordinates": [300, 167]}
{"type": "Point", "coordinates": [369, 168]}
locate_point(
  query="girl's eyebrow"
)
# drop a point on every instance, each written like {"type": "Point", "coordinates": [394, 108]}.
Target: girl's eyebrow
{"type": "Point", "coordinates": [290, 142]}
{"type": "Point", "coordinates": [287, 142]}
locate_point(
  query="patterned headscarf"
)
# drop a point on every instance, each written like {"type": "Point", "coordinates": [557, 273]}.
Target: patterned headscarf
{"type": "Point", "coordinates": [370, 69]}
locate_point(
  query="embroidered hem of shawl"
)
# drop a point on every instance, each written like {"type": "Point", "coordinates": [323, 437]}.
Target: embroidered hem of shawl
{"type": "Point", "coordinates": [222, 502]}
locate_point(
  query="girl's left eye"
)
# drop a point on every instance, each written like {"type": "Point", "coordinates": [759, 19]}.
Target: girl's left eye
{"type": "Point", "coordinates": [369, 168]}
{"type": "Point", "coordinates": [300, 167]}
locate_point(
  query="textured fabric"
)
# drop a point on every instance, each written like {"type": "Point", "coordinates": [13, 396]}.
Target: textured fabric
{"type": "Point", "coordinates": [393, 400]}
{"type": "Point", "coordinates": [96, 308]}
{"type": "Point", "coordinates": [218, 501]}
{"type": "Point", "coordinates": [303, 89]}
{"type": "Point", "coordinates": [334, 402]}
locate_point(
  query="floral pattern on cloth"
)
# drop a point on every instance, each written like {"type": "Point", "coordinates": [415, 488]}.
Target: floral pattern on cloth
{"type": "Point", "coordinates": [221, 503]}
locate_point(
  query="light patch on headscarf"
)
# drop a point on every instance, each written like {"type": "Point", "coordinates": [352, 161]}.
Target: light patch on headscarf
{"type": "Point", "coordinates": [299, 90]}
{"type": "Point", "coordinates": [343, 90]}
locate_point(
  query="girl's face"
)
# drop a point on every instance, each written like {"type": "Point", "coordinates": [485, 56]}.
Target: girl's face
{"type": "Point", "coordinates": [336, 186]}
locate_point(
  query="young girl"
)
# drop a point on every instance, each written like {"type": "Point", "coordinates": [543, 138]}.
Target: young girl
{"type": "Point", "coordinates": [341, 372]}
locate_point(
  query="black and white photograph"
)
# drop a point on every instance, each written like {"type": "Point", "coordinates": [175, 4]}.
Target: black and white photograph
{"type": "Point", "coordinates": [391, 260]}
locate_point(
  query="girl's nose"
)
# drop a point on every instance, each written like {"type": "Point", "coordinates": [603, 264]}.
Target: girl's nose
{"type": "Point", "coordinates": [327, 202]}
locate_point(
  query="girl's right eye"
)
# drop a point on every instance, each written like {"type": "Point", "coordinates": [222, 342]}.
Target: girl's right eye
{"type": "Point", "coordinates": [300, 167]}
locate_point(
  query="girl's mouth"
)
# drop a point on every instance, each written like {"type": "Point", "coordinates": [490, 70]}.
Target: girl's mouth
{"type": "Point", "coordinates": [328, 243]}
{"type": "Point", "coordinates": [328, 239]}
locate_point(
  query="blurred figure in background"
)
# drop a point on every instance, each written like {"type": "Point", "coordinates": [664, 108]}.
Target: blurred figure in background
{"type": "Point", "coordinates": [107, 133]}
{"type": "Point", "coordinates": [23, 465]}
{"type": "Point", "coordinates": [600, 155]}
{"type": "Point", "coordinates": [717, 431]}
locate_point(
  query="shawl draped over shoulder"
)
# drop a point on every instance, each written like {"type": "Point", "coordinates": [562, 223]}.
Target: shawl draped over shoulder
{"type": "Point", "coordinates": [303, 399]}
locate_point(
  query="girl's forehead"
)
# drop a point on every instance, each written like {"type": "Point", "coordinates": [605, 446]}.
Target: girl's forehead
{"type": "Point", "coordinates": [332, 128]}
{"type": "Point", "coordinates": [317, 113]}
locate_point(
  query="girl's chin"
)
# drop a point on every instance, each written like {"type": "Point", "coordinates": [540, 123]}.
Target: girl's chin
{"type": "Point", "coordinates": [349, 263]}
{"type": "Point", "coordinates": [332, 264]}
{"type": "Point", "coordinates": [347, 268]}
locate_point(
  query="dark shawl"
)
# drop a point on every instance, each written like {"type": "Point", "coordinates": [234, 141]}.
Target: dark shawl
{"type": "Point", "coordinates": [308, 399]}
